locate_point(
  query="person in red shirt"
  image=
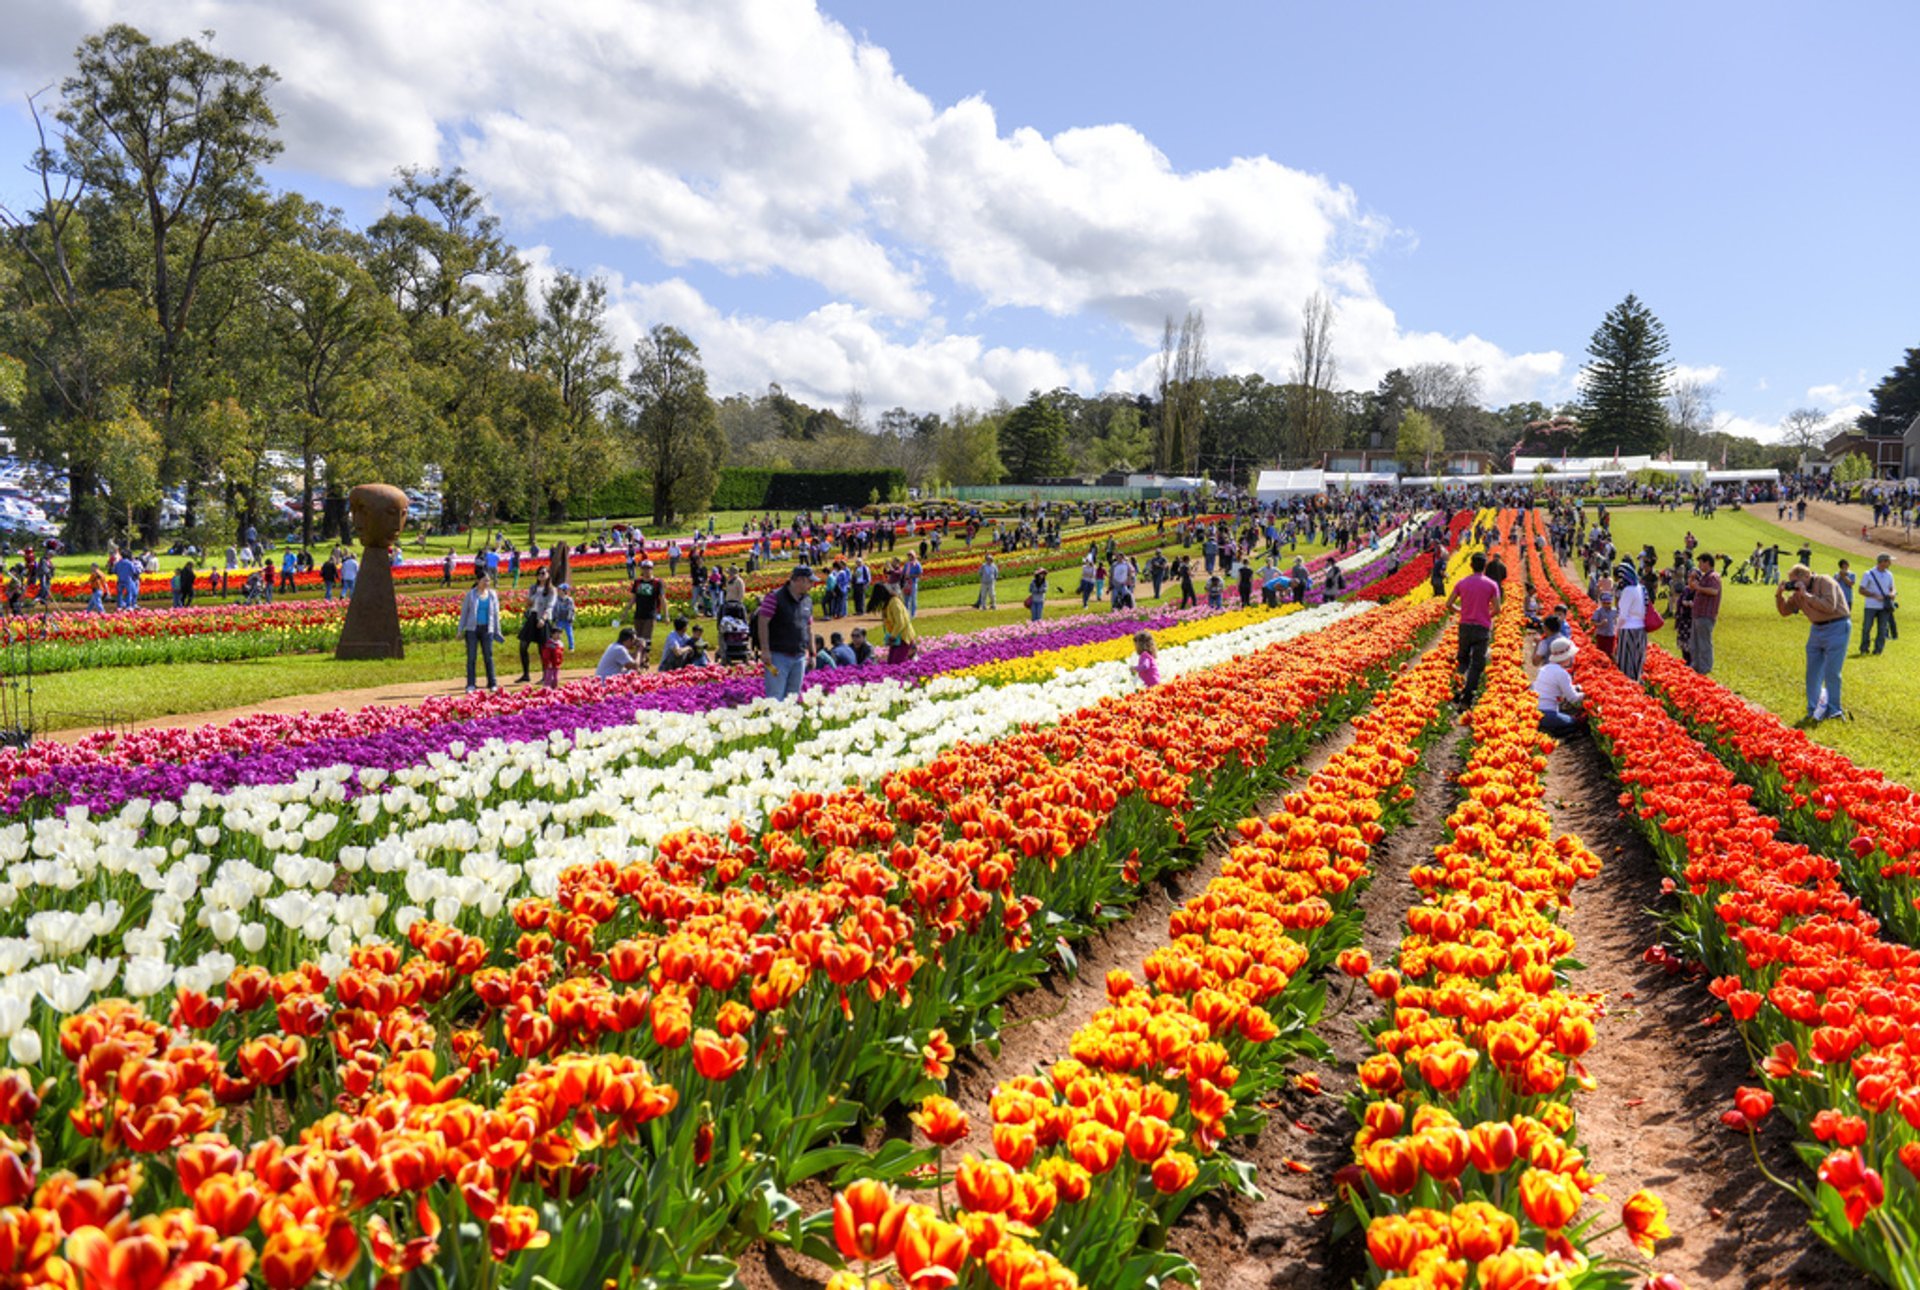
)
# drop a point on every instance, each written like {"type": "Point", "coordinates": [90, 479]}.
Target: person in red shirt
{"type": "Point", "coordinates": [1477, 597]}
{"type": "Point", "coordinates": [1705, 585]}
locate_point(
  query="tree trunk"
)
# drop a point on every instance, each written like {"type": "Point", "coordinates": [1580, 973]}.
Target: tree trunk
{"type": "Point", "coordinates": [86, 525]}
{"type": "Point", "coordinates": [306, 495]}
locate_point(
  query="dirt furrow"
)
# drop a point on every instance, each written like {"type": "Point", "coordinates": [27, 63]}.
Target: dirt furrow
{"type": "Point", "coordinates": [1242, 1244]}
{"type": "Point", "coordinates": [1664, 1076]}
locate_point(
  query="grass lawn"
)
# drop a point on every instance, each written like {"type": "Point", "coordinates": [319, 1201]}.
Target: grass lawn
{"type": "Point", "coordinates": [112, 696]}
{"type": "Point", "coordinates": [1762, 655]}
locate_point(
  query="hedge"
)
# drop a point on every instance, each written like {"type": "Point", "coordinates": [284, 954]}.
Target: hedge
{"type": "Point", "coordinates": [745, 488]}
{"type": "Point", "coordinates": [625, 496]}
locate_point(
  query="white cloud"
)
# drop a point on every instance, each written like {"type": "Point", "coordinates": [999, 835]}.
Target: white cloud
{"type": "Point", "coordinates": [759, 136]}
{"type": "Point", "coordinates": [1709, 374]}
{"type": "Point", "coordinates": [1835, 394]}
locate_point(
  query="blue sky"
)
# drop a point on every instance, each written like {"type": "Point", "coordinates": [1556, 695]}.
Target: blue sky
{"type": "Point", "coordinates": [944, 203]}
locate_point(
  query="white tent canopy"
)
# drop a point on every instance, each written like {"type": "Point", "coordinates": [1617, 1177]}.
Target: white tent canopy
{"type": "Point", "coordinates": [1276, 484]}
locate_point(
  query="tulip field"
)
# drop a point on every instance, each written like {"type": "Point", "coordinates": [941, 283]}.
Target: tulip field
{"type": "Point", "coordinates": [654, 982]}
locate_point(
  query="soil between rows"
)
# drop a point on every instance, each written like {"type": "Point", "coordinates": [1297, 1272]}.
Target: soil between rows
{"type": "Point", "coordinates": [1242, 1244]}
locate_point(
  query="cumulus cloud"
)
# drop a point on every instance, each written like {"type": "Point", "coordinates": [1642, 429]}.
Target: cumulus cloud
{"type": "Point", "coordinates": [1708, 374]}
{"type": "Point", "coordinates": [756, 136]}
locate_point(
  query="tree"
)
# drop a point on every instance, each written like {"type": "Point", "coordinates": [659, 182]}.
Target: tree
{"type": "Point", "coordinates": [1385, 406]}
{"type": "Point", "coordinates": [1033, 441]}
{"type": "Point", "coordinates": [1315, 423]}
{"type": "Point", "coordinates": [129, 462]}
{"type": "Point", "coordinates": [1690, 413]}
{"type": "Point", "coordinates": [172, 136]}
{"type": "Point", "coordinates": [1417, 439]}
{"type": "Point", "coordinates": [1624, 384]}
{"type": "Point", "coordinates": [1183, 381]}
{"type": "Point", "coordinates": [1853, 468]}
{"type": "Point", "coordinates": [966, 448]}
{"type": "Point", "coordinates": [1896, 399]}
{"type": "Point", "coordinates": [671, 417]}
{"type": "Point", "coordinates": [1805, 431]}
{"type": "Point", "coordinates": [1126, 444]}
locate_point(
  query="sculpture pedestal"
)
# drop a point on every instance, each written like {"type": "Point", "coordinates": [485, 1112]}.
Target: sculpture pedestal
{"type": "Point", "coordinates": [372, 628]}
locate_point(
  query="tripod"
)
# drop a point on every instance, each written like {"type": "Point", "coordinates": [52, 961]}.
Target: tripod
{"type": "Point", "coordinates": [16, 698]}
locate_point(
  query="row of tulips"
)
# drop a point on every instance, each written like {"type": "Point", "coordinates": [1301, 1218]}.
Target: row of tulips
{"type": "Point", "coordinates": [179, 893]}
{"type": "Point", "coordinates": [1116, 1139]}
{"type": "Point", "coordinates": [72, 640]}
{"type": "Point", "coordinates": [92, 770]}
{"type": "Point", "coordinates": [623, 1093]}
{"type": "Point", "coordinates": [1852, 813]}
{"type": "Point", "coordinates": [426, 571]}
{"type": "Point", "coordinates": [1824, 1003]}
{"type": "Point", "coordinates": [1107, 1146]}
{"type": "Point", "coordinates": [1467, 1166]}
{"type": "Point", "coordinates": [723, 546]}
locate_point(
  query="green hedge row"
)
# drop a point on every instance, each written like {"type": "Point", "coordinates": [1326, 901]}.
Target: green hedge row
{"type": "Point", "coordinates": [744, 488]}
{"type": "Point", "coordinates": [754, 489]}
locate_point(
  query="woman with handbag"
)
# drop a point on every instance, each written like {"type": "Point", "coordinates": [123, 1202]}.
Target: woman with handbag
{"type": "Point", "coordinates": [1636, 617]}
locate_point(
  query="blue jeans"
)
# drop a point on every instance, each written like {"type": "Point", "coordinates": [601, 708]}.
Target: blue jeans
{"type": "Point", "coordinates": [1036, 609]}
{"type": "Point", "coordinates": [1826, 654]}
{"type": "Point", "coordinates": [785, 675]}
{"type": "Point", "coordinates": [93, 602]}
{"type": "Point", "coordinates": [480, 645]}
{"type": "Point", "coordinates": [1883, 618]}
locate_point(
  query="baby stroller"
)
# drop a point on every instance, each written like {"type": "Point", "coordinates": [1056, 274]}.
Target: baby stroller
{"type": "Point", "coordinates": [736, 637]}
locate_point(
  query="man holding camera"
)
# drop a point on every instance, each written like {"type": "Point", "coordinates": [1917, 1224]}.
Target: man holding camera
{"type": "Point", "coordinates": [1876, 598]}
{"type": "Point", "coordinates": [1825, 606]}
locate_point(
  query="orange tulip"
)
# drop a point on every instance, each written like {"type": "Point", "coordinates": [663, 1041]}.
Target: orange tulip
{"type": "Point", "coordinates": [1392, 1165]}
{"type": "Point", "coordinates": [1393, 1242]}
{"type": "Point", "coordinates": [1480, 1230]}
{"type": "Point", "coordinates": [717, 1058]}
{"type": "Point", "coordinates": [291, 1257]}
{"type": "Point", "coordinates": [866, 1221]}
{"type": "Point", "coordinates": [1174, 1172]}
{"type": "Point", "coordinates": [1645, 1218]}
{"type": "Point", "coordinates": [984, 1185]}
{"type": "Point", "coordinates": [1095, 1147]}
{"type": "Point", "coordinates": [1549, 1199]}
{"type": "Point", "coordinates": [931, 1250]}
{"type": "Point", "coordinates": [941, 1120]}
{"type": "Point", "coordinates": [514, 1228]}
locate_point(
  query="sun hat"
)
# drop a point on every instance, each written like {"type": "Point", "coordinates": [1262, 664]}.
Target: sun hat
{"type": "Point", "coordinates": [1561, 650]}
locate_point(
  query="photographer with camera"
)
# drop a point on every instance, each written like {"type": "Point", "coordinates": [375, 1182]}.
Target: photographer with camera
{"type": "Point", "coordinates": [1877, 601]}
{"type": "Point", "coordinates": [1825, 606]}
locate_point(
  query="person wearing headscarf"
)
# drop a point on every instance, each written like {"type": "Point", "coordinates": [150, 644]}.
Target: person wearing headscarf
{"type": "Point", "coordinates": [1630, 640]}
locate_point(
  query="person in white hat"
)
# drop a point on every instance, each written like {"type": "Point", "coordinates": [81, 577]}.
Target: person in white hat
{"type": "Point", "coordinates": [1553, 685]}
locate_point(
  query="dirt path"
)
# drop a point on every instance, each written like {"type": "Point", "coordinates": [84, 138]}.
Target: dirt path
{"type": "Point", "coordinates": [1664, 1078]}
{"type": "Point", "coordinates": [1240, 1244]}
{"type": "Point", "coordinates": [1840, 526]}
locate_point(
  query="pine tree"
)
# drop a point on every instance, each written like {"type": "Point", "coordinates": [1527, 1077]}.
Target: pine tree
{"type": "Point", "coordinates": [1033, 441]}
{"type": "Point", "coordinates": [1896, 400]}
{"type": "Point", "coordinates": [1624, 384]}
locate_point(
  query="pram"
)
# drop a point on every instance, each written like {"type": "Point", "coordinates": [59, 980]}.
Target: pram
{"type": "Point", "coordinates": [736, 636]}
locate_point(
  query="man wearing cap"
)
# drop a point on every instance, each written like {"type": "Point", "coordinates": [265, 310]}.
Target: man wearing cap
{"type": "Point", "coordinates": [1819, 598]}
{"type": "Point", "coordinates": [1553, 686]}
{"type": "Point", "coordinates": [784, 629]}
{"type": "Point", "coordinates": [649, 602]}
{"type": "Point", "coordinates": [1876, 598]}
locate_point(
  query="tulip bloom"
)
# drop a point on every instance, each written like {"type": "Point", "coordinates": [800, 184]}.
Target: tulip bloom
{"type": "Point", "coordinates": [867, 1221]}
{"type": "Point", "coordinates": [1860, 1188]}
{"type": "Point", "coordinates": [1645, 1217]}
